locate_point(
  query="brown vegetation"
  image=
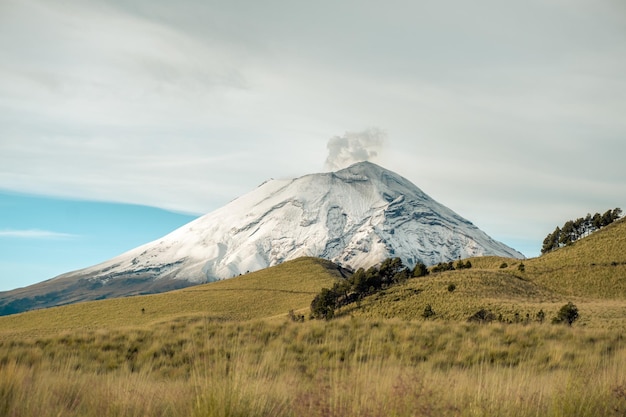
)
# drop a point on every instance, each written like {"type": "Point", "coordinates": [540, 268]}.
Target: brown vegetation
{"type": "Point", "coordinates": [232, 349]}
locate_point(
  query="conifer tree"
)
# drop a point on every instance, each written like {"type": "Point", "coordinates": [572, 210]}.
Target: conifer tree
{"type": "Point", "coordinates": [574, 230]}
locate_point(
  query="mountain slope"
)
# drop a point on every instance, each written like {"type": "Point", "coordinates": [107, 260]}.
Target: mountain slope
{"type": "Point", "coordinates": [591, 273]}
{"type": "Point", "coordinates": [594, 266]}
{"type": "Point", "coordinates": [355, 217]}
{"type": "Point", "coordinates": [267, 293]}
{"type": "Point", "coordinates": [598, 288]}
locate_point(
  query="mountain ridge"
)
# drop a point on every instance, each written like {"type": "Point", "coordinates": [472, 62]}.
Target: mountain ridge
{"type": "Point", "coordinates": [305, 216]}
{"type": "Point", "coordinates": [546, 284]}
{"type": "Point", "coordinates": [355, 217]}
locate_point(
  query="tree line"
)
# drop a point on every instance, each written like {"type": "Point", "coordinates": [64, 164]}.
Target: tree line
{"type": "Point", "coordinates": [366, 282]}
{"type": "Point", "coordinates": [363, 282]}
{"type": "Point", "coordinates": [573, 230]}
{"type": "Point", "coordinates": [393, 272]}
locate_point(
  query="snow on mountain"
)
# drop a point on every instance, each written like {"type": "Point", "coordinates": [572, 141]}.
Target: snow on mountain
{"type": "Point", "coordinates": [355, 217]}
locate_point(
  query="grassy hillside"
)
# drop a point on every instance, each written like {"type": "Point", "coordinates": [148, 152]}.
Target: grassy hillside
{"type": "Point", "coordinates": [594, 266]}
{"type": "Point", "coordinates": [274, 291]}
{"type": "Point", "coordinates": [501, 292]}
{"type": "Point", "coordinates": [591, 273]}
{"type": "Point", "coordinates": [228, 349]}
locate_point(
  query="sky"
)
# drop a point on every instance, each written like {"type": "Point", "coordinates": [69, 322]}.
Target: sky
{"type": "Point", "coordinates": [150, 113]}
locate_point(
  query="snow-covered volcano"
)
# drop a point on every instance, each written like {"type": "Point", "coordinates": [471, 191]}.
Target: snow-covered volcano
{"type": "Point", "coordinates": [355, 217]}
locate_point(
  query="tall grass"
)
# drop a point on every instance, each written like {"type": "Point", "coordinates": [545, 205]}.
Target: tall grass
{"type": "Point", "coordinates": [349, 367]}
{"type": "Point", "coordinates": [199, 352]}
{"type": "Point", "coordinates": [31, 391]}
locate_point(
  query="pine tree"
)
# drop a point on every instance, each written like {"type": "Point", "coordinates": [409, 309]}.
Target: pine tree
{"type": "Point", "coordinates": [551, 241]}
{"type": "Point", "coordinates": [617, 213]}
{"type": "Point", "coordinates": [567, 233]}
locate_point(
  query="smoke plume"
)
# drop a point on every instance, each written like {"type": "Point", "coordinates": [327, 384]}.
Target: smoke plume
{"type": "Point", "coordinates": [354, 147]}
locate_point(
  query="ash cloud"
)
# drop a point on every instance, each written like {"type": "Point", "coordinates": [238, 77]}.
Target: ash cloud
{"type": "Point", "coordinates": [354, 147]}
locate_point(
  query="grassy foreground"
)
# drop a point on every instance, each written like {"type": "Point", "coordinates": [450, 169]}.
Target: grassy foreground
{"type": "Point", "coordinates": [228, 349]}
{"type": "Point", "coordinates": [198, 366]}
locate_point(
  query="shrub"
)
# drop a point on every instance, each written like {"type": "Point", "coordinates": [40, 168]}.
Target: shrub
{"type": "Point", "coordinates": [504, 265]}
{"type": "Point", "coordinates": [451, 287]}
{"type": "Point", "coordinates": [567, 314]}
{"type": "Point", "coordinates": [323, 305]}
{"type": "Point", "coordinates": [298, 318]}
{"type": "Point", "coordinates": [463, 265]}
{"type": "Point", "coordinates": [428, 312]}
{"type": "Point", "coordinates": [541, 316]}
{"type": "Point", "coordinates": [420, 270]}
{"type": "Point", "coordinates": [482, 316]}
{"type": "Point", "coordinates": [443, 266]}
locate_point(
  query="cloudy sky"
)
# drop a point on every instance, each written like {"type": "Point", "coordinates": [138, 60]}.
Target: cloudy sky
{"type": "Point", "coordinates": [510, 113]}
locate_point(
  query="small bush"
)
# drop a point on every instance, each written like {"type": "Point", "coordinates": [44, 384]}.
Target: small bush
{"type": "Point", "coordinates": [298, 318]}
{"type": "Point", "coordinates": [428, 312]}
{"type": "Point", "coordinates": [442, 266]}
{"type": "Point", "coordinates": [463, 265]}
{"type": "Point", "coordinates": [420, 270]}
{"type": "Point", "coordinates": [451, 287]}
{"type": "Point", "coordinates": [541, 316]}
{"type": "Point", "coordinates": [568, 314]}
{"type": "Point", "coordinates": [504, 265]}
{"type": "Point", "coordinates": [482, 316]}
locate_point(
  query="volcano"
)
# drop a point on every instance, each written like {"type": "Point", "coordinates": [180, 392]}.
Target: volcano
{"type": "Point", "coordinates": [355, 217]}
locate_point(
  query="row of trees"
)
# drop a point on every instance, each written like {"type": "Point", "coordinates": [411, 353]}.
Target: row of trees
{"type": "Point", "coordinates": [392, 272]}
{"type": "Point", "coordinates": [363, 282]}
{"type": "Point", "coordinates": [573, 230]}
{"type": "Point", "coordinates": [449, 266]}
{"type": "Point", "coordinates": [567, 314]}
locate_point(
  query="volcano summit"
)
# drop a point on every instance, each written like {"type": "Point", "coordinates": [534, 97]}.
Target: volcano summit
{"type": "Point", "coordinates": [355, 217]}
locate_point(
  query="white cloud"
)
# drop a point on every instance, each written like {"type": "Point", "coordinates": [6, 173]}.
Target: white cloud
{"type": "Point", "coordinates": [187, 105]}
{"type": "Point", "coordinates": [35, 234]}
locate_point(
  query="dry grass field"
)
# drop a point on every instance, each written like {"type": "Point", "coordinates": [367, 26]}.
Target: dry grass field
{"type": "Point", "coordinates": [230, 349]}
{"type": "Point", "coordinates": [347, 367]}
{"type": "Point", "coordinates": [267, 293]}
